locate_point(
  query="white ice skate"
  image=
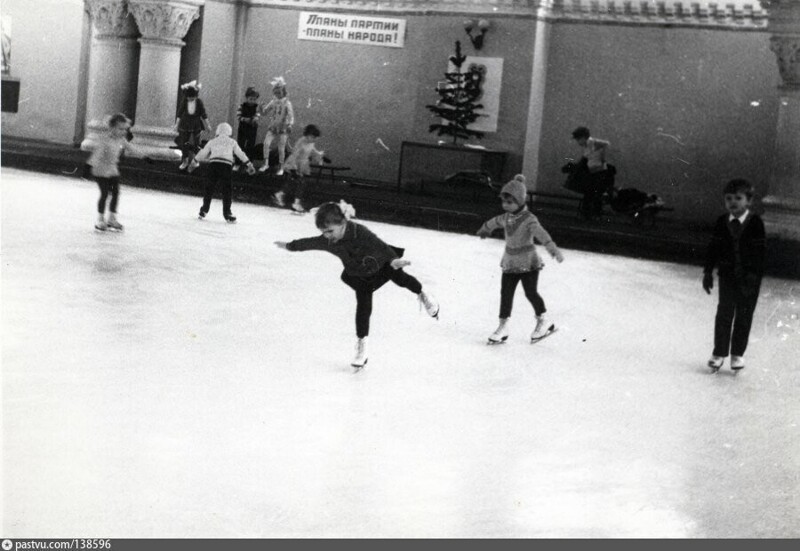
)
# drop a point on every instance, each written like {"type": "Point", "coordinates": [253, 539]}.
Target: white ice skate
{"type": "Point", "coordinates": [737, 363]}
{"type": "Point", "coordinates": [715, 362]}
{"type": "Point", "coordinates": [543, 329]}
{"type": "Point", "coordinates": [184, 164]}
{"type": "Point", "coordinates": [263, 168]}
{"type": "Point", "coordinates": [101, 225]}
{"type": "Point", "coordinates": [430, 304]}
{"type": "Point", "coordinates": [500, 334]}
{"type": "Point", "coordinates": [192, 166]}
{"type": "Point", "coordinates": [113, 223]}
{"type": "Point", "coordinates": [361, 354]}
{"type": "Point", "coordinates": [279, 198]}
{"type": "Point", "coordinates": [297, 206]}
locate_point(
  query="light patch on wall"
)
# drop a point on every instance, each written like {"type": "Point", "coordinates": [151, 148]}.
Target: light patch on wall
{"type": "Point", "coordinates": [5, 31]}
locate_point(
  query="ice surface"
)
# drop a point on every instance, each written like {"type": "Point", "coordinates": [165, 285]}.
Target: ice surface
{"type": "Point", "coordinates": [186, 378]}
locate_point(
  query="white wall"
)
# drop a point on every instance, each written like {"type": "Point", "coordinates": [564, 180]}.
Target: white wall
{"type": "Point", "coordinates": [45, 57]}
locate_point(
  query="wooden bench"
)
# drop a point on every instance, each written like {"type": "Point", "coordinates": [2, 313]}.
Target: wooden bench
{"type": "Point", "coordinates": [638, 216]}
{"type": "Point", "coordinates": [332, 169]}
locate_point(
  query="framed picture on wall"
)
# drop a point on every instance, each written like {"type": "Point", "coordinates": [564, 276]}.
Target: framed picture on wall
{"type": "Point", "coordinates": [491, 69]}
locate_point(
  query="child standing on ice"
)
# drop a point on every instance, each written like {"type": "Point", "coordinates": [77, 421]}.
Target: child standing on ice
{"type": "Point", "coordinates": [220, 153]}
{"type": "Point", "coordinates": [520, 261]}
{"type": "Point", "coordinates": [737, 250]}
{"type": "Point", "coordinates": [368, 264]}
{"type": "Point", "coordinates": [104, 166]}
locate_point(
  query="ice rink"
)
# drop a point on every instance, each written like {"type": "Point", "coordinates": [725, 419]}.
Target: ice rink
{"type": "Point", "coordinates": [187, 378]}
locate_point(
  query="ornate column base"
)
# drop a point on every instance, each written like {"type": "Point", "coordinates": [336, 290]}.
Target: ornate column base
{"type": "Point", "coordinates": [156, 143]}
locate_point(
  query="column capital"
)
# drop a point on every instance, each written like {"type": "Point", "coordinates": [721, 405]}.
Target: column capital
{"type": "Point", "coordinates": [165, 21]}
{"type": "Point", "coordinates": [110, 18]}
{"type": "Point", "coordinates": [787, 50]}
{"type": "Point", "coordinates": [784, 26]}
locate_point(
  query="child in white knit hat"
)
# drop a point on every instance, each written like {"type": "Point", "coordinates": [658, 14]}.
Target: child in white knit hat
{"type": "Point", "coordinates": [520, 261]}
{"type": "Point", "coordinates": [219, 153]}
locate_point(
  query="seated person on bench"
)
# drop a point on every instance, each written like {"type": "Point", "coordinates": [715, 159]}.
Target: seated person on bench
{"type": "Point", "coordinates": [592, 176]}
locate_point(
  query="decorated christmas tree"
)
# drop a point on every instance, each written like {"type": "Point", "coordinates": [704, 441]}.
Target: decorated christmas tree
{"type": "Point", "coordinates": [457, 100]}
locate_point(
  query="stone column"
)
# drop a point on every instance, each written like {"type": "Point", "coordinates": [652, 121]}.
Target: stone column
{"type": "Point", "coordinates": [162, 24]}
{"type": "Point", "coordinates": [113, 58]}
{"type": "Point", "coordinates": [533, 135]}
{"type": "Point", "coordinates": [782, 205]}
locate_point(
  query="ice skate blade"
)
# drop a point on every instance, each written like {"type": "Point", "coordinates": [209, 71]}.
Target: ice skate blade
{"type": "Point", "coordinates": [491, 342]}
{"type": "Point", "coordinates": [552, 329]}
{"type": "Point", "coordinates": [357, 367]}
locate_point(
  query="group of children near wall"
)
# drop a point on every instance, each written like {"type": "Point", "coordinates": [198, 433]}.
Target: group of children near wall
{"type": "Point", "coordinates": [225, 155]}
{"type": "Point", "coordinates": [736, 250]}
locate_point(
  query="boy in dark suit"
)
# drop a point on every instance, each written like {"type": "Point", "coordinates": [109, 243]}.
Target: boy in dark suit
{"type": "Point", "coordinates": [737, 250]}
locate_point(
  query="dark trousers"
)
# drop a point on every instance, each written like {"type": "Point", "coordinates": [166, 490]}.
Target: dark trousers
{"type": "Point", "coordinates": [365, 286]}
{"type": "Point", "coordinates": [734, 317]}
{"type": "Point", "coordinates": [294, 184]}
{"type": "Point", "coordinates": [597, 184]}
{"type": "Point", "coordinates": [246, 138]}
{"type": "Point", "coordinates": [218, 173]}
{"type": "Point", "coordinates": [108, 186]}
{"type": "Point", "coordinates": [508, 286]}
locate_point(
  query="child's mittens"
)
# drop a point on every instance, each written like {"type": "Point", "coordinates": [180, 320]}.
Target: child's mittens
{"type": "Point", "coordinates": [250, 169]}
{"type": "Point", "coordinates": [326, 160]}
{"type": "Point", "coordinates": [708, 282]}
{"type": "Point", "coordinates": [398, 263]}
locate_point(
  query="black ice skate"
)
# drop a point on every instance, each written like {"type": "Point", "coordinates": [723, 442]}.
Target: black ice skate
{"type": "Point", "coordinates": [202, 214]}
{"type": "Point", "coordinates": [230, 219]}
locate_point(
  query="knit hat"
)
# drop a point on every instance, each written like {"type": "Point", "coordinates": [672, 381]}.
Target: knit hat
{"type": "Point", "coordinates": [517, 189]}
{"type": "Point", "coordinates": [224, 129]}
{"type": "Point", "coordinates": [251, 93]}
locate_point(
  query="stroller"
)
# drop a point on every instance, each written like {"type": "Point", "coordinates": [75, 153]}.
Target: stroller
{"type": "Point", "coordinates": [598, 189]}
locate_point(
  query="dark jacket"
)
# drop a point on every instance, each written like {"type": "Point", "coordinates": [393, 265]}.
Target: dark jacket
{"type": "Point", "coordinates": [361, 251]}
{"type": "Point", "coordinates": [191, 123]}
{"type": "Point", "coordinates": [744, 260]}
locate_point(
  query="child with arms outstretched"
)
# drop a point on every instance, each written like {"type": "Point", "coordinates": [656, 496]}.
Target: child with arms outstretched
{"type": "Point", "coordinates": [368, 264]}
{"type": "Point", "coordinates": [520, 260]}
{"type": "Point", "coordinates": [104, 167]}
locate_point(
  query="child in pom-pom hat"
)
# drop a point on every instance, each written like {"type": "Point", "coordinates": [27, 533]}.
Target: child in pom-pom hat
{"type": "Point", "coordinates": [520, 260]}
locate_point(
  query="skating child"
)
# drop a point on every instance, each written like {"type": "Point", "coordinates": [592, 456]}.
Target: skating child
{"type": "Point", "coordinates": [737, 250]}
{"type": "Point", "coordinates": [279, 116]}
{"type": "Point", "coordinates": [247, 114]}
{"type": "Point", "coordinates": [192, 120]}
{"type": "Point", "coordinates": [520, 260]}
{"type": "Point", "coordinates": [220, 153]}
{"type": "Point", "coordinates": [104, 168]}
{"type": "Point", "coordinates": [368, 264]}
{"type": "Point", "coordinates": [298, 166]}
